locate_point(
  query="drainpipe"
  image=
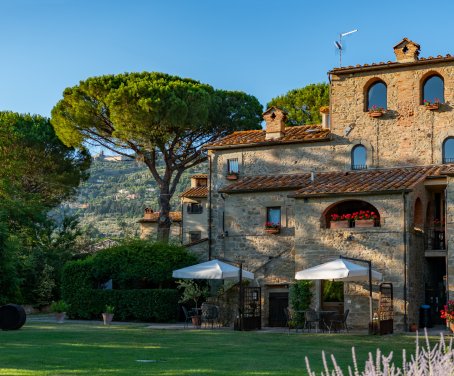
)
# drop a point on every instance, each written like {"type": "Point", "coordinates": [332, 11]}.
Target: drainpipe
{"type": "Point", "coordinates": [210, 217]}
{"type": "Point", "coordinates": [404, 196]}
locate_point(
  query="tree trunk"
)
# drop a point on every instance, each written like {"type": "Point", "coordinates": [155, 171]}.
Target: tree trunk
{"type": "Point", "coordinates": [164, 221]}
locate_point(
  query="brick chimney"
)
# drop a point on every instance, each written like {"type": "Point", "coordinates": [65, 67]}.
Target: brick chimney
{"type": "Point", "coordinates": [275, 120]}
{"type": "Point", "coordinates": [406, 51]}
{"type": "Point", "coordinates": [148, 213]}
{"type": "Point", "coordinates": [324, 111]}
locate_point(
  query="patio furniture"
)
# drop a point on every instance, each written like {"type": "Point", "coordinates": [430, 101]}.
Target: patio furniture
{"type": "Point", "coordinates": [339, 321]}
{"type": "Point", "coordinates": [311, 320]}
{"type": "Point", "coordinates": [187, 316]}
{"type": "Point", "coordinates": [210, 314]}
{"type": "Point", "coordinates": [325, 319]}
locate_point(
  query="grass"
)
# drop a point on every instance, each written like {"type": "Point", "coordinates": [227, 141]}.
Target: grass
{"type": "Point", "coordinates": [87, 349]}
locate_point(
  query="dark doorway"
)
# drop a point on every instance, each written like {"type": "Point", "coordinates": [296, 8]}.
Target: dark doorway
{"type": "Point", "coordinates": [435, 288]}
{"type": "Point", "coordinates": [333, 296]}
{"type": "Point", "coordinates": [278, 301]}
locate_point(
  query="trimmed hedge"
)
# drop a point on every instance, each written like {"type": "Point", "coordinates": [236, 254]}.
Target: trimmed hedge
{"type": "Point", "coordinates": [130, 265]}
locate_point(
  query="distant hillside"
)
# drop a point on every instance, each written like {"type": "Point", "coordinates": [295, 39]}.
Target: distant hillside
{"type": "Point", "coordinates": [113, 199]}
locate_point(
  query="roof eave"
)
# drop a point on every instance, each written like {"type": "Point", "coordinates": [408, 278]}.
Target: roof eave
{"type": "Point", "coordinates": [330, 194]}
{"type": "Point", "coordinates": [266, 143]}
{"type": "Point", "coordinates": [280, 189]}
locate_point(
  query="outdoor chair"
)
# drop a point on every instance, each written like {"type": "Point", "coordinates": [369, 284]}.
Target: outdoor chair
{"type": "Point", "coordinates": [187, 316]}
{"type": "Point", "coordinates": [339, 321]}
{"type": "Point", "coordinates": [210, 314]}
{"type": "Point", "coordinates": [311, 320]}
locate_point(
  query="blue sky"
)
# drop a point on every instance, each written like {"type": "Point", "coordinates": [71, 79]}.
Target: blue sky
{"type": "Point", "coordinates": [262, 47]}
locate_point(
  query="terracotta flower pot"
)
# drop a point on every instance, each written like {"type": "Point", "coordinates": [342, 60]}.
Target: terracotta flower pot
{"type": "Point", "coordinates": [60, 317]}
{"type": "Point", "coordinates": [451, 326]}
{"type": "Point", "coordinates": [413, 327]}
{"type": "Point", "coordinates": [375, 114]}
{"type": "Point", "coordinates": [272, 230]}
{"type": "Point", "coordinates": [232, 177]}
{"type": "Point", "coordinates": [432, 107]}
{"type": "Point", "coordinates": [107, 318]}
{"type": "Point", "coordinates": [197, 321]}
{"type": "Point", "coordinates": [364, 223]}
{"type": "Point", "coordinates": [339, 224]}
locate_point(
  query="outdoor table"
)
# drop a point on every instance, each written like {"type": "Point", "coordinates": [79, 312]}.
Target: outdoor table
{"type": "Point", "coordinates": [324, 318]}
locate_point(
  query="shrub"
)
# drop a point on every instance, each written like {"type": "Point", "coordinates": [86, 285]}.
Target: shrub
{"type": "Point", "coordinates": [300, 295]}
{"type": "Point", "coordinates": [139, 270]}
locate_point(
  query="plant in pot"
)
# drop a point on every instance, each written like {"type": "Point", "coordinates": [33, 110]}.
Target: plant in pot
{"type": "Point", "coordinates": [340, 221]}
{"type": "Point", "coordinates": [193, 291]}
{"type": "Point", "coordinates": [376, 111]}
{"type": "Point", "coordinates": [272, 228]}
{"type": "Point", "coordinates": [365, 218]}
{"type": "Point", "coordinates": [59, 308]}
{"type": "Point", "coordinates": [108, 314]}
{"type": "Point", "coordinates": [448, 314]}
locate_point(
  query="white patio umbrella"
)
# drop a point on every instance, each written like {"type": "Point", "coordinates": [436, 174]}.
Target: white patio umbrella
{"type": "Point", "coordinates": [213, 269]}
{"type": "Point", "coordinates": [343, 270]}
{"type": "Point", "coordinates": [339, 270]}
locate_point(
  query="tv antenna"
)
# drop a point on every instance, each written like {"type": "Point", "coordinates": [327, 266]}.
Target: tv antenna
{"type": "Point", "coordinates": [339, 46]}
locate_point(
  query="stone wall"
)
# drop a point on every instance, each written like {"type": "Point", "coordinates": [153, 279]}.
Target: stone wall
{"type": "Point", "coordinates": [407, 134]}
{"type": "Point", "coordinates": [149, 230]}
{"type": "Point", "coordinates": [195, 222]}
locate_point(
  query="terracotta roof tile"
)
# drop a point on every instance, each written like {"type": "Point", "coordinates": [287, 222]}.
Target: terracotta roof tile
{"type": "Point", "coordinates": [196, 192]}
{"type": "Point", "coordinates": [302, 133]}
{"type": "Point", "coordinates": [199, 176]}
{"type": "Point", "coordinates": [390, 64]}
{"type": "Point", "coordinates": [153, 217]}
{"type": "Point", "coordinates": [327, 183]}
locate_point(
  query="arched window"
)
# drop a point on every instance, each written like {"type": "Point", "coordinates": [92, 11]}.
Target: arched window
{"type": "Point", "coordinates": [351, 213]}
{"type": "Point", "coordinates": [377, 96]}
{"type": "Point", "coordinates": [433, 90]}
{"type": "Point", "coordinates": [448, 150]}
{"type": "Point", "coordinates": [359, 157]}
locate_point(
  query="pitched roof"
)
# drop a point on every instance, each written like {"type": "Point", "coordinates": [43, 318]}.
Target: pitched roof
{"type": "Point", "coordinates": [406, 41]}
{"type": "Point", "coordinates": [345, 182]}
{"type": "Point", "coordinates": [153, 217]}
{"type": "Point", "coordinates": [196, 192]}
{"type": "Point", "coordinates": [301, 133]}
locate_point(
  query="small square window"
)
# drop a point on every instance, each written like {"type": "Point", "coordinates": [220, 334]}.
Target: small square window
{"type": "Point", "coordinates": [232, 166]}
{"type": "Point", "coordinates": [273, 215]}
{"type": "Point", "coordinates": [195, 236]}
{"type": "Point", "coordinates": [195, 208]}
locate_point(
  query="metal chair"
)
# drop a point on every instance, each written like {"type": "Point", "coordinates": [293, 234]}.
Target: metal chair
{"type": "Point", "coordinates": [340, 321]}
{"type": "Point", "coordinates": [187, 316]}
{"type": "Point", "coordinates": [210, 314]}
{"type": "Point", "coordinates": [311, 320]}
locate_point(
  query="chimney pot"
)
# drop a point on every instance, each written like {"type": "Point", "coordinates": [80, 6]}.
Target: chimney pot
{"type": "Point", "coordinates": [275, 120]}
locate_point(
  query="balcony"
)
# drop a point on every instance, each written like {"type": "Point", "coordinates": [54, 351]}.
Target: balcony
{"type": "Point", "coordinates": [434, 241]}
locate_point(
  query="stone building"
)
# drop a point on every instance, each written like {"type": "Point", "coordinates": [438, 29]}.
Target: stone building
{"type": "Point", "coordinates": [384, 146]}
{"type": "Point", "coordinates": [149, 225]}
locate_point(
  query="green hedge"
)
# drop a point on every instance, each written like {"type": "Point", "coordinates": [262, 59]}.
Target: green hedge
{"type": "Point", "coordinates": [131, 265]}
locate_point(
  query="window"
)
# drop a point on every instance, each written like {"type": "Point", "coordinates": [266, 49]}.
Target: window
{"type": "Point", "coordinates": [194, 236]}
{"type": "Point", "coordinates": [232, 166]}
{"type": "Point", "coordinates": [433, 90]}
{"type": "Point", "coordinates": [350, 213]}
{"type": "Point", "coordinates": [195, 208]}
{"type": "Point", "coordinates": [359, 157]}
{"type": "Point", "coordinates": [448, 150]}
{"type": "Point", "coordinates": [377, 96]}
{"type": "Point", "coordinates": [273, 215]}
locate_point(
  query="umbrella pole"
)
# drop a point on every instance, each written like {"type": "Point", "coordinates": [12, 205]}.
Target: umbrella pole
{"type": "Point", "coordinates": [240, 302]}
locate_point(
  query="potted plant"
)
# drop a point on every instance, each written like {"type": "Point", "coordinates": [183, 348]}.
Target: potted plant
{"type": "Point", "coordinates": [192, 291]}
{"type": "Point", "coordinates": [340, 221]}
{"type": "Point", "coordinates": [431, 106]}
{"type": "Point", "coordinates": [376, 111]}
{"type": "Point", "coordinates": [448, 314]}
{"type": "Point", "coordinates": [364, 218]}
{"type": "Point", "coordinates": [59, 308]}
{"type": "Point", "coordinates": [232, 176]}
{"type": "Point", "coordinates": [108, 314]}
{"type": "Point", "coordinates": [272, 228]}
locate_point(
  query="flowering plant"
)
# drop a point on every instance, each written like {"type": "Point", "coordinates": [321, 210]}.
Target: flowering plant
{"type": "Point", "coordinates": [364, 214]}
{"type": "Point", "coordinates": [429, 103]}
{"type": "Point", "coordinates": [376, 108]}
{"type": "Point", "coordinates": [448, 312]}
{"type": "Point", "coordinates": [343, 217]}
{"type": "Point", "coordinates": [272, 225]}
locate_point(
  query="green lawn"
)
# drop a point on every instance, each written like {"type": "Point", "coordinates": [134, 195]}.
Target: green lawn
{"type": "Point", "coordinates": [87, 349]}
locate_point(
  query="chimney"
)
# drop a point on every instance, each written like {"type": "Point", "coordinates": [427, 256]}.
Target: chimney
{"type": "Point", "coordinates": [324, 111]}
{"type": "Point", "coordinates": [275, 120]}
{"type": "Point", "coordinates": [312, 176]}
{"type": "Point", "coordinates": [406, 51]}
{"type": "Point", "coordinates": [148, 213]}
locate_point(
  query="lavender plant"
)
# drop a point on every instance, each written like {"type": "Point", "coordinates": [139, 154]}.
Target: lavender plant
{"type": "Point", "coordinates": [427, 361]}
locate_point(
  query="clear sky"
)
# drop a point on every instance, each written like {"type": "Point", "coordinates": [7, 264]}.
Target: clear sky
{"type": "Point", "coordinates": [262, 47]}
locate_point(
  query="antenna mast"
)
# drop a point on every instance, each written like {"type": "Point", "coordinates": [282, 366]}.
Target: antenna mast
{"type": "Point", "coordinates": [339, 45]}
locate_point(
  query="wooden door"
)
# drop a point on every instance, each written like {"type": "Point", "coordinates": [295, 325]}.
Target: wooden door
{"type": "Point", "coordinates": [278, 301]}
